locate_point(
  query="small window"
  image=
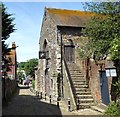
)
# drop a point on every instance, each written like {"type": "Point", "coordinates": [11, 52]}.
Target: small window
{"type": "Point", "coordinates": [52, 83]}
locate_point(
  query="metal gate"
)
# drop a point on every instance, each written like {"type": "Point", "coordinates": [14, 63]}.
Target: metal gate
{"type": "Point", "coordinates": [104, 88]}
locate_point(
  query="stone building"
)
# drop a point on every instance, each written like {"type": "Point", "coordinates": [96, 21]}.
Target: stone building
{"type": "Point", "coordinates": [61, 71]}
{"type": "Point", "coordinates": [12, 66]}
{"type": "Point", "coordinates": [9, 84]}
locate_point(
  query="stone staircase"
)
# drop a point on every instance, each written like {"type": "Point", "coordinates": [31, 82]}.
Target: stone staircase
{"type": "Point", "coordinates": [82, 93]}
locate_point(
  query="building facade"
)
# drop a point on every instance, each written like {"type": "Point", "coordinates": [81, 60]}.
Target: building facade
{"type": "Point", "coordinates": [60, 39]}
{"type": "Point", "coordinates": [12, 65]}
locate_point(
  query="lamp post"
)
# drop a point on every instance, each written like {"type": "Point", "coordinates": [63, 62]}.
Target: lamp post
{"type": "Point", "coordinates": [110, 70]}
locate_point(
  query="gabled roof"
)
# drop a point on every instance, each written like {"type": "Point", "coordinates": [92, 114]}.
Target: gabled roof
{"type": "Point", "coordinates": [63, 17]}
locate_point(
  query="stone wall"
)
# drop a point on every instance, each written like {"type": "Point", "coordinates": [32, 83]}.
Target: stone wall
{"type": "Point", "coordinates": [47, 67]}
{"type": "Point", "coordinates": [10, 87]}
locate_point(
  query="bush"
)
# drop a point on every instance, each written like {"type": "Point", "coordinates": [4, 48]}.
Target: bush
{"type": "Point", "coordinates": [112, 109]}
{"type": "Point", "coordinates": [33, 84]}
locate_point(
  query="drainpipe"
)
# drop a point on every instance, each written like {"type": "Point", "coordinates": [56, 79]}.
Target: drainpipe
{"type": "Point", "coordinates": [0, 63]}
{"type": "Point", "coordinates": [61, 43]}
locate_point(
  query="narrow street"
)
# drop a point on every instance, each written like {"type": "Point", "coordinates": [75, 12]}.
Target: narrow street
{"type": "Point", "coordinates": [26, 103]}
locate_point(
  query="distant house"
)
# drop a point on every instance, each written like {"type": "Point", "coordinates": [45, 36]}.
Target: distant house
{"type": "Point", "coordinates": [61, 72]}
{"type": "Point", "coordinates": [12, 65]}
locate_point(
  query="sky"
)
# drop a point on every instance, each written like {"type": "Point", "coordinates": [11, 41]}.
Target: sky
{"type": "Point", "coordinates": [28, 19]}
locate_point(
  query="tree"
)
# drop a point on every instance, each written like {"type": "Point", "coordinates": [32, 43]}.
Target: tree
{"type": "Point", "coordinates": [7, 29]}
{"type": "Point", "coordinates": [20, 75]}
{"type": "Point", "coordinates": [103, 30]}
{"type": "Point", "coordinates": [21, 65]}
{"type": "Point", "coordinates": [103, 35]}
{"type": "Point", "coordinates": [7, 23]}
{"type": "Point", "coordinates": [30, 66]}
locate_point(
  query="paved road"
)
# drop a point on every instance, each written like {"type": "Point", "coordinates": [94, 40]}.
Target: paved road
{"type": "Point", "coordinates": [26, 103]}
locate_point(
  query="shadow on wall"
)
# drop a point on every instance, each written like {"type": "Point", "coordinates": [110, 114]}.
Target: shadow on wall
{"type": "Point", "coordinates": [29, 105]}
{"type": "Point", "coordinates": [8, 89]}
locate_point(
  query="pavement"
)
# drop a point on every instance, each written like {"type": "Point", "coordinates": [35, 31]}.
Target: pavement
{"type": "Point", "coordinates": [26, 103]}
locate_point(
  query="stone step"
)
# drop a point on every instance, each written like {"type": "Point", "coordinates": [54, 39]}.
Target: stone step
{"type": "Point", "coordinates": [78, 79]}
{"type": "Point", "coordinates": [76, 75]}
{"type": "Point", "coordinates": [84, 96]}
{"type": "Point", "coordinates": [80, 86]}
{"type": "Point", "coordinates": [87, 100]}
{"type": "Point", "coordinates": [82, 90]}
{"type": "Point", "coordinates": [97, 108]}
{"type": "Point", "coordinates": [83, 93]}
{"type": "Point", "coordinates": [86, 105]}
{"type": "Point", "coordinates": [75, 71]}
{"type": "Point", "coordinates": [79, 83]}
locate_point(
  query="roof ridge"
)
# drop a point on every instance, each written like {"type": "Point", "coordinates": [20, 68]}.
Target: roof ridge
{"type": "Point", "coordinates": [64, 9]}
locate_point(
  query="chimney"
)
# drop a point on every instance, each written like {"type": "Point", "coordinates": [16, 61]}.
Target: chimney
{"type": "Point", "coordinates": [13, 45]}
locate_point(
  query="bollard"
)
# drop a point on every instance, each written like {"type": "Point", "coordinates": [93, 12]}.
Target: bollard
{"type": "Point", "coordinates": [78, 102]}
{"type": "Point", "coordinates": [50, 99]}
{"type": "Point", "coordinates": [36, 93]}
{"type": "Point", "coordinates": [40, 95]}
{"type": "Point", "coordinates": [45, 96]}
{"type": "Point", "coordinates": [57, 101]}
{"type": "Point", "coordinates": [69, 104]}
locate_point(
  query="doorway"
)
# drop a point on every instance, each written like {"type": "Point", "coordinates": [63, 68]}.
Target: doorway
{"type": "Point", "coordinates": [69, 53]}
{"type": "Point", "coordinates": [104, 88]}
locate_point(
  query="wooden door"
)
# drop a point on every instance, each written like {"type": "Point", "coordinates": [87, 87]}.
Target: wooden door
{"type": "Point", "coordinates": [69, 53]}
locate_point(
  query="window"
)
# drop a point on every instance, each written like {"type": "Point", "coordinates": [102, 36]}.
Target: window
{"type": "Point", "coordinates": [52, 83]}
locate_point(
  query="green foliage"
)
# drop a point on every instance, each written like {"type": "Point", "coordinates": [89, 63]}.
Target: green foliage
{"type": "Point", "coordinates": [103, 30]}
{"type": "Point", "coordinates": [7, 29]}
{"type": "Point", "coordinates": [33, 84]}
{"type": "Point", "coordinates": [30, 65]}
{"type": "Point", "coordinates": [7, 23]}
{"type": "Point", "coordinates": [20, 75]}
{"type": "Point", "coordinates": [117, 85]}
{"type": "Point", "coordinates": [115, 49]}
{"type": "Point", "coordinates": [21, 65]}
{"type": "Point", "coordinates": [112, 109]}
{"type": "Point", "coordinates": [85, 48]}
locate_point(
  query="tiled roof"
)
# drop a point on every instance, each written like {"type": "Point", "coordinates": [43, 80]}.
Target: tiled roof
{"type": "Point", "coordinates": [63, 17]}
